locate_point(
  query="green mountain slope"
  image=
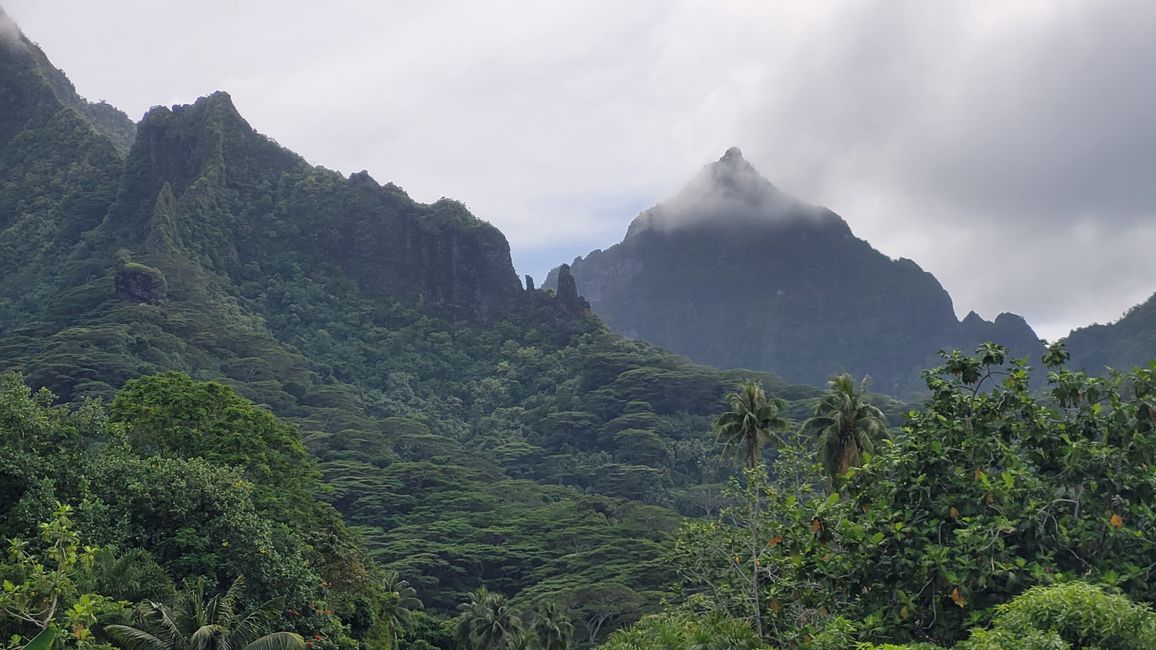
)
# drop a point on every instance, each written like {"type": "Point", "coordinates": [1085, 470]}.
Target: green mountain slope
{"type": "Point", "coordinates": [59, 165]}
{"type": "Point", "coordinates": [474, 432]}
{"type": "Point", "coordinates": [735, 273]}
{"type": "Point", "coordinates": [1128, 342]}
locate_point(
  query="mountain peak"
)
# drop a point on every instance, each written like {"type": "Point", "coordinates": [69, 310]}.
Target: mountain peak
{"type": "Point", "coordinates": [735, 176]}
{"type": "Point", "coordinates": [216, 103]}
{"type": "Point", "coordinates": [734, 153]}
{"type": "Point", "coordinates": [734, 173]}
{"type": "Point", "coordinates": [727, 193]}
{"type": "Point", "coordinates": [218, 98]}
{"type": "Point", "coordinates": [30, 86]}
{"type": "Point", "coordinates": [973, 319]}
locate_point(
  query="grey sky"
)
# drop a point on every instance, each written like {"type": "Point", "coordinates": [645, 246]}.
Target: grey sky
{"type": "Point", "coordinates": [1008, 147]}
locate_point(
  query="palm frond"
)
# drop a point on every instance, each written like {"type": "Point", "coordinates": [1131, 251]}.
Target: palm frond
{"type": "Point", "coordinates": [164, 623]}
{"type": "Point", "coordinates": [202, 638]}
{"type": "Point", "coordinates": [131, 638]}
{"type": "Point", "coordinates": [249, 628]}
{"type": "Point", "coordinates": [278, 641]}
{"type": "Point", "coordinates": [193, 604]}
{"type": "Point", "coordinates": [227, 602]}
{"type": "Point", "coordinates": [752, 421]}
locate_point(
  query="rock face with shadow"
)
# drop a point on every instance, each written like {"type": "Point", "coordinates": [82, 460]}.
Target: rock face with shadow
{"type": "Point", "coordinates": [735, 273]}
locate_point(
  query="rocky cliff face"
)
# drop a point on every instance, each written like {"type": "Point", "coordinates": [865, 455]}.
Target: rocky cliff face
{"type": "Point", "coordinates": [439, 255]}
{"type": "Point", "coordinates": [201, 185]}
{"type": "Point", "coordinates": [568, 303]}
{"type": "Point", "coordinates": [735, 273]}
{"type": "Point", "coordinates": [141, 284]}
{"type": "Point", "coordinates": [237, 245]}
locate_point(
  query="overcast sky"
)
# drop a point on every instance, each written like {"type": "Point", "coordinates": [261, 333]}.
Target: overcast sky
{"type": "Point", "coordinates": [1007, 147]}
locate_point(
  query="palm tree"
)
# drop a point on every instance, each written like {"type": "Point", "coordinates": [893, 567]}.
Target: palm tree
{"type": "Point", "coordinates": [199, 624]}
{"type": "Point", "coordinates": [752, 421]}
{"type": "Point", "coordinates": [487, 622]}
{"type": "Point", "coordinates": [133, 575]}
{"type": "Point", "coordinates": [400, 600]}
{"type": "Point", "coordinates": [552, 627]}
{"type": "Point", "coordinates": [845, 425]}
{"type": "Point", "coordinates": [523, 640]}
{"type": "Point", "coordinates": [727, 634]}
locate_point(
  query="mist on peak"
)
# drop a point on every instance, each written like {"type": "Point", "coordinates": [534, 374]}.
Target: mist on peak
{"type": "Point", "coordinates": [10, 33]}
{"type": "Point", "coordinates": [726, 193]}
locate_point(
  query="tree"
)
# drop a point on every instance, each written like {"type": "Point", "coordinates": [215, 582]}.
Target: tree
{"type": "Point", "coordinates": [1076, 613]}
{"type": "Point", "coordinates": [844, 424]}
{"type": "Point", "coordinates": [199, 624]}
{"type": "Point", "coordinates": [750, 422]}
{"type": "Point", "coordinates": [680, 631]}
{"type": "Point", "coordinates": [988, 490]}
{"type": "Point", "coordinates": [172, 415]}
{"type": "Point", "coordinates": [400, 600]}
{"type": "Point", "coordinates": [552, 627]}
{"type": "Point", "coordinates": [765, 559]}
{"type": "Point", "coordinates": [41, 598]}
{"type": "Point", "coordinates": [487, 622]}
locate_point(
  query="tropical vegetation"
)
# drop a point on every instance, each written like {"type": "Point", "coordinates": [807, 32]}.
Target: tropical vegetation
{"type": "Point", "coordinates": [845, 425]}
{"type": "Point", "coordinates": [751, 421]}
{"type": "Point", "coordinates": [200, 623]}
{"type": "Point", "coordinates": [992, 517]}
{"type": "Point", "coordinates": [250, 403]}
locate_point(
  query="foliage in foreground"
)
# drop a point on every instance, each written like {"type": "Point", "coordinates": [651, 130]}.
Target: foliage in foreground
{"type": "Point", "coordinates": [1059, 617]}
{"type": "Point", "coordinates": [152, 516]}
{"type": "Point", "coordinates": [200, 623]}
{"type": "Point", "coordinates": [986, 492]}
{"type": "Point", "coordinates": [671, 631]}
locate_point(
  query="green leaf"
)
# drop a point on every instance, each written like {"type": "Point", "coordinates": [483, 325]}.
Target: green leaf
{"type": "Point", "coordinates": [42, 641]}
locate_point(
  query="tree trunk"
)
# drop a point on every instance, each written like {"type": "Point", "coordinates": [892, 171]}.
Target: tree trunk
{"type": "Point", "coordinates": [755, 600]}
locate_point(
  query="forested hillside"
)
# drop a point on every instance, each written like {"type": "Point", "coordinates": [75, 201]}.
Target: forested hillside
{"type": "Point", "coordinates": [1128, 342]}
{"type": "Point", "coordinates": [473, 433]}
{"type": "Point", "coordinates": [249, 403]}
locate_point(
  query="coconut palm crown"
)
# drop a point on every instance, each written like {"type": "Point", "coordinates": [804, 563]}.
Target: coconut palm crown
{"type": "Point", "coordinates": [488, 621]}
{"type": "Point", "coordinates": [199, 624]}
{"type": "Point", "coordinates": [751, 421]}
{"type": "Point", "coordinates": [845, 426]}
{"type": "Point", "coordinates": [552, 627]}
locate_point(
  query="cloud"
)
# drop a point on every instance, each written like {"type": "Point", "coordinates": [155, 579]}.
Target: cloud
{"type": "Point", "coordinates": [9, 30]}
{"type": "Point", "coordinates": [1006, 147]}
{"type": "Point", "coordinates": [728, 192]}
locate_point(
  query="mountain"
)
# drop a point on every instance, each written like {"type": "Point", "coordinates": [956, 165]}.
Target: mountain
{"type": "Point", "coordinates": [1124, 344]}
{"type": "Point", "coordinates": [36, 89]}
{"type": "Point", "coordinates": [735, 273]}
{"type": "Point", "coordinates": [60, 160]}
{"type": "Point", "coordinates": [200, 205]}
{"type": "Point", "coordinates": [475, 432]}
